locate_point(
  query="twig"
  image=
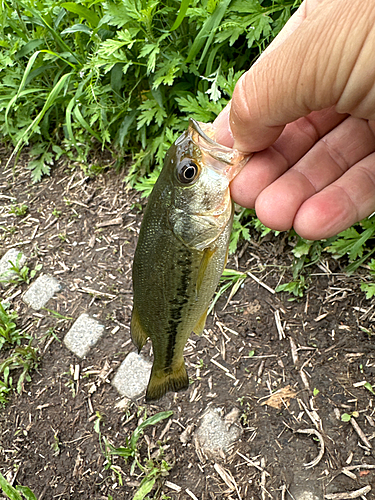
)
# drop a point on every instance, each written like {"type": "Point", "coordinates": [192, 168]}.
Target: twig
{"type": "Point", "coordinates": [261, 283]}
{"type": "Point", "coordinates": [348, 494]}
{"type": "Point", "coordinates": [293, 348]}
{"type": "Point", "coordinates": [191, 494]}
{"type": "Point", "coordinates": [360, 433]}
{"type": "Point", "coordinates": [219, 365]}
{"type": "Point", "coordinates": [321, 441]}
{"type": "Point", "coordinates": [304, 379]}
{"type": "Point", "coordinates": [279, 325]}
{"type": "Point", "coordinates": [252, 463]}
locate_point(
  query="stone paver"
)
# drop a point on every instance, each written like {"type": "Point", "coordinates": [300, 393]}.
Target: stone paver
{"type": "Point", "coordinates": [10, 255]}
{"type": "Point", "coordinates": [132, 377]}
{"type": "Point", "coordinates": [43, 289]}
{"type": "Point", "coordinates": [83, 335]}
{"type": "Point", "coordinates": [303, 487]}
{"type": "Point", "coordinates": [215, 435]}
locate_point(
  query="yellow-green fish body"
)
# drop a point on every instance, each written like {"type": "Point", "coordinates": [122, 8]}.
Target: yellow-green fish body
{"type": "Point", "coordinates": [181, 252]}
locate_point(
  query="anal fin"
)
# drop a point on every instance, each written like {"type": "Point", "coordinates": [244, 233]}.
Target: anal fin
{"type": "Point", "coordinates": [162, 382]}
{"type": "Point", "coordinates": [199, 327]}
{"type": "Point", "coordinates": [139, 336]}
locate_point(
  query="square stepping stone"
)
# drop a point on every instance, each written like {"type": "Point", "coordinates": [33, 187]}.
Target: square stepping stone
{"type": "Point", "coordinates": [10, 255]}
{"type": "Point", "coordinates": [132, 377]}
{"type": "Point", "coordinates": [83, 335]}
{"type": "Point", "coordinates": [215, 435]}
{"type": "Point", "coordinates": [39, 293]}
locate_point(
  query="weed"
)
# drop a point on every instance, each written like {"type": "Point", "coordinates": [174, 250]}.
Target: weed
{"type": "Point", "coordinates": [21, 359]}
{"type": "Point", "coordinates": [56, 213]}
{"type": "Point", "coordinates": [229, 278]}
{"type": "Point", "coordinates": [57, 315]}
{"type": "Point", "coordinates": [17, 493]}
{"type": "Point", "coordinates": [19, 210]}
{"type": "Point", "coordinates": [306, 253]}
{"type": "Point", "coordinates": [9, 333]}
{"type": "Point", "coordinates": [346, 417]}
{"type": "Point", "coordinates": [151, 468]}
{"type": "Point", "coordinates": [24, 358]}
{"type": "Point", "coordinates": [369, 288]}
{"type": "Point", "coordinates": [17, 274]}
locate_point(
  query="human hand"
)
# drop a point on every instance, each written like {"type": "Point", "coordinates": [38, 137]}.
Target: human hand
{"type": "Point", "coordinates": [308, 108]}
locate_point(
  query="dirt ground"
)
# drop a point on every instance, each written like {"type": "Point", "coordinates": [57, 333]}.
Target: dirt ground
{"type": "Point", "coordinates": [314, 351]}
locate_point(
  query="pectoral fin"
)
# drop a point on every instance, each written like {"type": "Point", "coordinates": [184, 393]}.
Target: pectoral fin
{"type": "Point", "coordinates": [139, 336]}
{"type": "Point", "coordinates": [199, 327]}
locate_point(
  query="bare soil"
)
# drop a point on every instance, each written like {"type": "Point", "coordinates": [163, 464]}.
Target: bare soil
{"type": "Point", "coordinates": [313, 351]}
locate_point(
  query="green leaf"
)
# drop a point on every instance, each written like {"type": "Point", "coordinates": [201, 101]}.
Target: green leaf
{"type": "Point", "coordinates": [369, 289]}
{"type": "Point", "coordinates": [145, 487]}
{"type": "Point", "coordinates": [40, 167]}
{"type": "Point", "coordinates": [181, 14]}
{"type": "Point", "coordinates": [78, 28]}
{"type": "Point", "coordinates": [11, 492]}
{"type": "Point", "coordinates": [207, 31]}
{"type": "Point", "coordinates": [345, 417]}
{"type": "Point", "coordinates": [82, 11]}
{"type": "Point", "coordinates": [29, 47]}
{"type": "Point", "coordinates": [368, 386]}
{"type": "Point", "coordinates": [150, 111]}
{"type": "Point", "coordinates": [155, 419]}
{"type": "Point", "coordinates": [26, 492]}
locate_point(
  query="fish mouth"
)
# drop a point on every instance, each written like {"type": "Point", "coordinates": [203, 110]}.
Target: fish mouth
{"type": "Point", "coordinates": [224, 160]}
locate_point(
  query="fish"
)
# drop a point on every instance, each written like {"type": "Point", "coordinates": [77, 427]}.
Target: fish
{"type": "Point", "coordinates": [181, 251]}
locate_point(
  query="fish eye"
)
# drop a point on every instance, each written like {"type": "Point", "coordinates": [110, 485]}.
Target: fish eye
{"type": "Point", "coordinates": [187, 171]}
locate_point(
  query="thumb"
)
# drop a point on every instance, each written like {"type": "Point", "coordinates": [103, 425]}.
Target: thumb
{"type": "Point", "coordinates": [328, 60]}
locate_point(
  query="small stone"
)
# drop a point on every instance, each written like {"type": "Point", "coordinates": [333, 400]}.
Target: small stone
{"type": "Point", "coordinates": [133, 375]}
{"type": "Point", "coordinates": [83, 335]}
{"type": "Point", "coordinates": [213, 437]}
{"type": "Point", "coordinates": [304, 486]}
{"type": "Point", "coordinates": [39, 293]}
{"type": "Point", "coordinates": [10, 255]}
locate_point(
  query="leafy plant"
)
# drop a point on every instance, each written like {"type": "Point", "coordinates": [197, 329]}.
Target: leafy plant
{"type": "Point", "coordinates": [306, 253]}
{"type": "Point", "coordinates": [19, 210]}
{"type": "Point", "coordinates": [229, 278]}
{"type": "Point", "coordinates": [22, 359]}
{"type": "Point", "coordinates": [152, 468]}
{"type": "Point", "coordinates": [17, 274]}
{"type": "Point", "coordinates": [18, 493]}
{"type": "Point", "coordinates": [122, 75]}
{"type": "Point", "coordinates": [369, 288]}
{"type": "Point", "coordinates": [9, 333]}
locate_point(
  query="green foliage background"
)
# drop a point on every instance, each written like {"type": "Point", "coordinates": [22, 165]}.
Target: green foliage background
{"type": "Point", "coordinates": [122, 75]}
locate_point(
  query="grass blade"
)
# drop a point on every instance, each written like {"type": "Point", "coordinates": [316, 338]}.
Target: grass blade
{"type": "Point", "coordinates": [84, 12]}
{"type": "Point", "coordinates": [149, 421]}
{"type": "Point", "coordinates": [145, 488]}
{"type": "Point", "coordinates": [208, 30]}
{"type": "Point", "coordinates": [78, 115]}
{"type": "Point", "coordinates": [53, 95]}
{"type": "Point", "coordinates": [26, 492]}
{"type": "Point", "coordinates": [181, 14]}
{"type": "Point", "coordinates": [11, 492]}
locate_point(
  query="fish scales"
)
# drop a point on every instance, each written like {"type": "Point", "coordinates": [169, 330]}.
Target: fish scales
{"type": "Point", "coordinates": [180, 255]}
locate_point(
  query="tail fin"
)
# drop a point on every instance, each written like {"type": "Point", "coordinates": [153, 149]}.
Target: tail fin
{"type": "Point", "coordinates": [160, 382]}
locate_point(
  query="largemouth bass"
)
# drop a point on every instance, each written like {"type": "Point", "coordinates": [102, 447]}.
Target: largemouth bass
{"type": "Point", "coordinates": [181, 251]}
